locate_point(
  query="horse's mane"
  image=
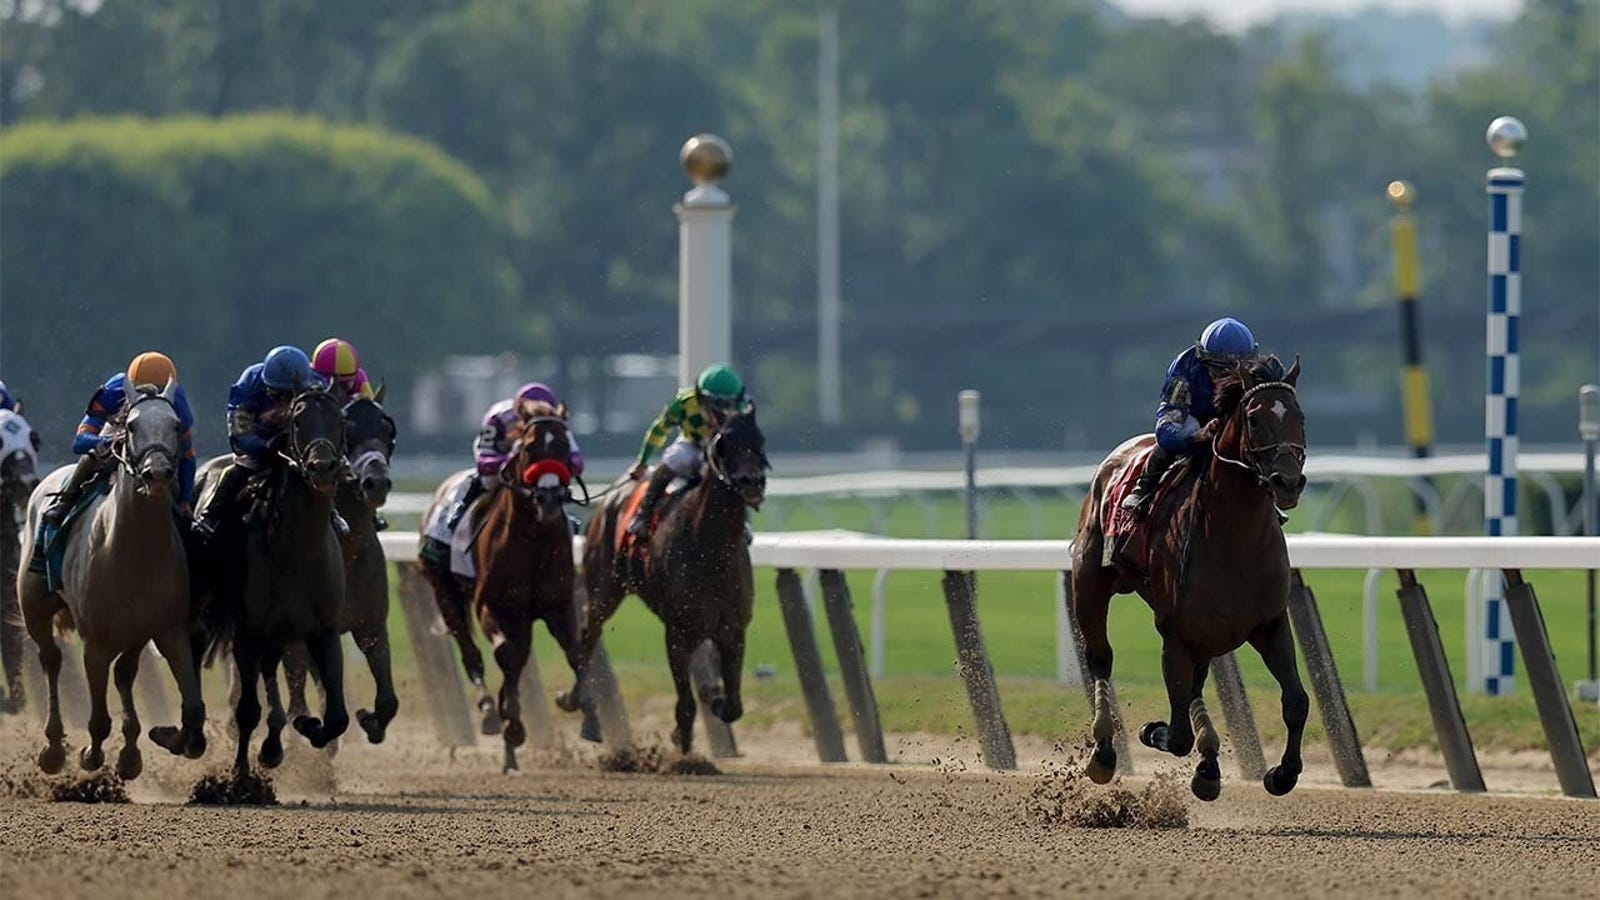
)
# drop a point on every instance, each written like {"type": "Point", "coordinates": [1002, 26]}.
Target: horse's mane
{"type": "Point", "coordinates": [1231, 385]}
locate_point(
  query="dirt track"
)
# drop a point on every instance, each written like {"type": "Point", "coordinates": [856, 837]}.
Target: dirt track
{"type": "Point", "coordinates": [399, 823]}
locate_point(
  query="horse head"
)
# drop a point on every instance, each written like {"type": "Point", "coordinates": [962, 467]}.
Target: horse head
{"type": "Point", "coordinates": [152, 438]}
{"type": "Point", "coordinates": [540, 467]}
{"type": "Point", "coordinates": [1265, 432]}
{"type": "Point", "coordinates": [738, 456]}
{"type": "Point", "coordinates": [19, 458]}
{"type": "Point", "coordinates": [317, 439]}
{"type": "Point", "coordinates": [369, 437]}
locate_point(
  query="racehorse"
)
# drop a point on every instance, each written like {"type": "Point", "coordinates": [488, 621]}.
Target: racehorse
{"type": "Point", "coordinates": [522, 559]}
{"type": "Point", "coordinates": [125, 582]}
{"type": "Point", "coordinates": [369, 444]}
{"type": "Point", "coordinates": [293, 583]}
{"type": "Point", "coordinates": [19, 465]}
{"type": "Point", "coordinates": [693, 570]}
{"type": "Point", "coordinates": [1218, 570]}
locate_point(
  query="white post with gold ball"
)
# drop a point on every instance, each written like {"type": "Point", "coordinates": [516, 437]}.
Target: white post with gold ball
{"type": "Point", "coordinates": [705, 259]}
{"type": "Point", "coordinates": [1505, 137]}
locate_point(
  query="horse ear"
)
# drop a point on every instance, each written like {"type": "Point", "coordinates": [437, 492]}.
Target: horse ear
{"type": "Point", "coordinates": [1294, 372]}
{"type": "Point", "coordinates": [377, 395]}
{"type": "Point", "coordinates": [171, 390]}
{"type": "Point", "coordinates": [561, 409]}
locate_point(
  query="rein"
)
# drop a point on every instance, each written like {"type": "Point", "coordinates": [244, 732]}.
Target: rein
{"type": "Point", "coordinates": [299, 456]}
{"type": "Point", "coordinates": [1258, 472]}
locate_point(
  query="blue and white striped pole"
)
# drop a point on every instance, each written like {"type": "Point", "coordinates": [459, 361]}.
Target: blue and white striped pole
{"type": "Point", "coordinates": [1505, 136]}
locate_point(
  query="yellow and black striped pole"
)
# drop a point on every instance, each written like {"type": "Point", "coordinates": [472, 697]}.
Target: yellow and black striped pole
{"type": "Point", "coordinates": [1418, 407]}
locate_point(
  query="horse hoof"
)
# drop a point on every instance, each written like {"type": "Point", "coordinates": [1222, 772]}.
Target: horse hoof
{"type": "Point", "coordinates": [590, 729]}
{"type": "Point", "coordinates": [1102, 766]}
{"type": "Point", "coordinates": [567, 701]}
{"type": "Point", "coordinates": [491, 723]}
{"type": "Point", "coordinates": [1279, 781]}
{"type": "Point", "coordinates": [372, 725]}
{"type": "Point", "coordinates": [1207, 781]}
{"type": "Point", "coordinates": [196, 746]}
{"type": "Point", "coordinates": [52, 759]}
{"type": "Point", "coordinates": [129, 763]}
{"type": "Point", "coordinates": [516, 733]}
{"type": "Point", "coordinates": [308, 726]}
{"type": "Point", "coordinates": [168, 738]}
{"type": "Point", "coordinates": [271, 755]}
{"type": "Point", "coordinates": [91, 759]}
{"type": "Point", "coordinates": [1154, 735]}
{"type": "Point", "coordinates": [683, 740]}
{"type": "Point", "coordinates": [727, 709]}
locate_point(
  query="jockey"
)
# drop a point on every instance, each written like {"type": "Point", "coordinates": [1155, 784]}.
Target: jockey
{"type": "Point", "coordinates": [1186, 401]}
{"type": "Point", "coordinates": [257, 408]}
{"type": "Point", "coordinates": [336, 361]}
{"type": "Point", "coordinates": [496, 439]}
{"type": "Point", "coordinates": [93, 441]}
{"type": "Point", "coordinates": [6, 400]}
{"type": "Point", "coordinates": [695, 412]}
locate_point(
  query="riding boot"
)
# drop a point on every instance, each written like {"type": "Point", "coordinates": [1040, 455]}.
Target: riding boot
{"type": "Point", "coordinates": [218, 502]}
{"type": "Point", "coordinates": [659, 479]}
{"type": "Point", "coordinates": [575, 524]}
{"type": "Point", "coordinates": [1138, 499]}
{"type": "Point", "coordinates": [89, 465]}
{"type": "Point", "coordinates": [458, 512]}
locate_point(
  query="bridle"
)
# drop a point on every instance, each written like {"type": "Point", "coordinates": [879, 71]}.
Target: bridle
{"type": "Point", "coordinates": [1269, 453]}
{"type": "Point", "coordinates": [300, 456]}
{"type": "Point", "coordinates": [132, 465]}
{"type": "Point", "coordinates": [512, 473]}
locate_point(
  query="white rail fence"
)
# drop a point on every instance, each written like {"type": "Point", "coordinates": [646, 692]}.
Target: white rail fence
{"type": "Point", "coordinates": [830, 554]}
{"type": "Point", "coordinates": [1344, 477]}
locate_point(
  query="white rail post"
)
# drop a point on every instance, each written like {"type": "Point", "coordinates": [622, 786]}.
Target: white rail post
{"type": "Point", "coordinates": [1369, 630]}
{"type": "Point", "coordinates": [705, 258]}
{"type": "Point", "coordinates": [1505, 137]}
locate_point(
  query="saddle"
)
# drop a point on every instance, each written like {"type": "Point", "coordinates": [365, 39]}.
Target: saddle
{"type": "Point", "coordinates": [628, 545]}
{"type": "Point", "coordinates": [1126, 534]}
{"type": "Point", "coordinates": [49, 556]}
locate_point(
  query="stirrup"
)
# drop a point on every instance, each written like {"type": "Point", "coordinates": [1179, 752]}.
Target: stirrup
{"type": "Point", "coordinates": [636, 526]}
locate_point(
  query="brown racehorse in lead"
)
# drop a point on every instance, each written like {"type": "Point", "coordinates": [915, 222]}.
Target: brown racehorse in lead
{"type": "Point", "coordinates": [1217, 572]}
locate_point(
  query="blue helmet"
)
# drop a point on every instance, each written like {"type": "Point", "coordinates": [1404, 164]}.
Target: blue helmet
{"type": "Point", "coordinates": [6, 400]}
{"type": "Point", "coordinates": [287, 369]}
{"type": "Point", "coordinates": [1226, 338]}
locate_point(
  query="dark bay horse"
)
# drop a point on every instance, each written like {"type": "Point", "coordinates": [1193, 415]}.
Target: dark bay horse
{"type": "Point", "coordinates": [522, 556]}
{"type": "Point", "coordinates": [1218, 573]}
{"type": "Point", "coordinates": [694, 572]}
{"type": "Point", "coordinates": [19, 474]}
{"type": "Point", "coordinates": [292, 585]}
{"type": "Point", "coordinates": [369, 445]}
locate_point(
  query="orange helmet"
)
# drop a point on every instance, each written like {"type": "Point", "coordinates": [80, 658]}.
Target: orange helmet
{"type": "Point", "coordinates": [151, 368]}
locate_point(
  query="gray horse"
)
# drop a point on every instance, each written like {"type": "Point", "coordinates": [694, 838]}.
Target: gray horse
{"type": "Point", "coordinates": [125, 582]}
{"type": "Point", "coordinates": [19, 475]}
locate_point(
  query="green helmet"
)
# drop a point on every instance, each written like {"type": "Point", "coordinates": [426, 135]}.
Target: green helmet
{"type": "Point", "coordinates": [721, 385]}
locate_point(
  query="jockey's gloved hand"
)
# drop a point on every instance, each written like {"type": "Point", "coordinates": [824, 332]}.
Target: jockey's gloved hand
{"type": "Point", "coordinates": [1207, 433]}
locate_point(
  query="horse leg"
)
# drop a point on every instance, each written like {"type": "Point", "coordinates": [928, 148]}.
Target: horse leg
{"type": "Point", "coordinates": [1275, 643]}
{"type": "Point", "coordinates": [1207, 781]}
{"type": "Point", "coordinates": [680, 652]}
{"type": "Point", "coordinates": [452, 603]}
{"type": "Point", "coordinates": [328, 657]}
{"type": "Point", "coordinates": [296, 662]}
{"type": "Point", "coordinates": [1091, 599]}
{"type": "Point", "coordinates": [176, 645]}
{"type": "Point", "coordinates": [729, 705]}
{"type": "Point", "coordinates": [271, 753]}
{"type": "Point", "coordinates": [247, 709]}
{"type": "Point", "coordinates": [374, 646]}
{"type": "Point", "coordinates": [1175, 736]}
{"type": "Point", "coordinates": [564, 627]}
{"type": "Point", "coordinates": [129, 762]}
{"type": "Point", "coordinates": [511, 653]}
{"type": "Point", "coordinates": [97, 668]}
{"type": "Point", "coordinates": [39, 608]}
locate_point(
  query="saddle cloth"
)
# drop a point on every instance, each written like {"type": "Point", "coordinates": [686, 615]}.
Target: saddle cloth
{"type": "Point", "coordinates": [53, 542]}
{"type": "Point", "coordinates": [460, 541]}
{"type": "Point", "coordinates": [626, 544]}
{"type": "Point", "coordinates": [1127, 533]}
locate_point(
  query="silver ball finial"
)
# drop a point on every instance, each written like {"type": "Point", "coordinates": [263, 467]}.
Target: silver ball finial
{"type": "Point", "coordinates": [706, 159]}
{"type": "Point", "coordinates": [1506, 136]}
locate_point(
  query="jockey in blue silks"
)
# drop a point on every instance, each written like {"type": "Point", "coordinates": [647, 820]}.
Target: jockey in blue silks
{"type": "Point", "coordinates": [1188, 401]}
{"type": "Point", "coordinates": [6, 400]}
{"type": "Point", "coordinates": [258, 406]}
